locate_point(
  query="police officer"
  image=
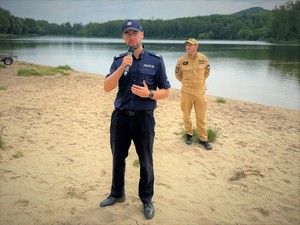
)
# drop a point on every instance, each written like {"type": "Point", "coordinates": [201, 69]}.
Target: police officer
{"type": "Point", "coordinates": [192, 70]}
{"type": "Point", "coordinates": [133, 117]}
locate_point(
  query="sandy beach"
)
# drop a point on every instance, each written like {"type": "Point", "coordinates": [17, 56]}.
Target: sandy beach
{"type": "Point", "coordinates": [56, 165]}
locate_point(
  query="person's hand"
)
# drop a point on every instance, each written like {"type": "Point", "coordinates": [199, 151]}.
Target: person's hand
{"type": "Point", "coordinates": [127, 61]}
{"type": "Point", "coordinates": [141, 91]}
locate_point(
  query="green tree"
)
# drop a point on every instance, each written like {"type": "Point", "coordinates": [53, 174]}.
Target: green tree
{"type": "Point", "coordinates": [284, 24]}
{"type": "Point", "coordinates": [280, 24]}
{"type": "Point", "coordinates": [4, 21]}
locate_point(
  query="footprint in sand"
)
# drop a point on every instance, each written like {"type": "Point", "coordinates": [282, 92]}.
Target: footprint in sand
{"type": "Point", "coordinates": [72, 192]}
{"type": "Point", "coordinates": [103, 173]}
{"type": "Point", "coordinates": [22, 203]}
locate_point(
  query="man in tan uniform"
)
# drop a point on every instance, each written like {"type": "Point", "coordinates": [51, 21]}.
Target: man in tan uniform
{"type": "Point", "coordinates": [192, 69]}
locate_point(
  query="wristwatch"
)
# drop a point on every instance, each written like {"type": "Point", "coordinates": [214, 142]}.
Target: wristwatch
{"type": "Point", "coordinates": [151, 94]}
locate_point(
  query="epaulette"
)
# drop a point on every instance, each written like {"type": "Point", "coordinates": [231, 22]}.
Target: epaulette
{"type": "Point", "coordinates": [155, 54]}
{"type": "Point", "coordinates": [120, 55]}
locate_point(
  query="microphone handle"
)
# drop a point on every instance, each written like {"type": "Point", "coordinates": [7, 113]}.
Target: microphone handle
{"type": "Point", "coordinates": [130, 52]}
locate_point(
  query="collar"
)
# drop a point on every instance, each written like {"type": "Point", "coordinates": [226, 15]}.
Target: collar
{"type": "Point", "coordinates": [142, 53]}
{"type": "Point", "coordinates": [192, 57]}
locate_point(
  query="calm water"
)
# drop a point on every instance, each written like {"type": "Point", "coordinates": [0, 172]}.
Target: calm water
{"type": "Point", "coordinates": [257, 72]}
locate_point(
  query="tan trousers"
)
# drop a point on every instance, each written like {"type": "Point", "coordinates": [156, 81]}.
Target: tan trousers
{"type": "Point", "coordinates": [200, 107]}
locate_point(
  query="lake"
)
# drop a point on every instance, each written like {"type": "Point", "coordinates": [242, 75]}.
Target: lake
{"type": "Point", "coordinates": [252, 71]}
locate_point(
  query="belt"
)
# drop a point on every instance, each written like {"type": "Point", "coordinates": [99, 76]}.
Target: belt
{"type": "Point", "coordinates": [128, 112]}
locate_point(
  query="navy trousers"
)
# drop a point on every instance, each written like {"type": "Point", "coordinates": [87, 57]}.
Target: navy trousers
{"type": "Point", "coordinates": [123, 130]}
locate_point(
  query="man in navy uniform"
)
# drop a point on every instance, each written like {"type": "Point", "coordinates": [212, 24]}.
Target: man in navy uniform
{"type": "Point", "coordinates": [133, 118]}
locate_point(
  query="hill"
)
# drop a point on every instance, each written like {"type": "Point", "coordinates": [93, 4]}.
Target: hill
{"type": "Point", "coordinates": [253, 10]}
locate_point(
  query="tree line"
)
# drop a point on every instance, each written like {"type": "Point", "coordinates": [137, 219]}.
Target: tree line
{"type": "Point", "coordinates": [280, 24]}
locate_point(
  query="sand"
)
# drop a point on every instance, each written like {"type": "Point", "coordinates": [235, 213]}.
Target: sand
{"type": "Point", "coordinates": [56, 165]}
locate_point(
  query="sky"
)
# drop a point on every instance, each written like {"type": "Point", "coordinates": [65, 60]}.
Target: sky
{"type": "Point", "coordinates": [99, 11]}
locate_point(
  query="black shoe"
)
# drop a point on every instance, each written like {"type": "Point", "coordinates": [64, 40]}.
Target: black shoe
{"type": "Point", "coordinates": [189, 139]}
{"type": "Point", "coordinates": [149, 210]}
{"type": "Point", "coordinates": [111, 200]}
{"type": "Point", "coordinates": [206, 145]}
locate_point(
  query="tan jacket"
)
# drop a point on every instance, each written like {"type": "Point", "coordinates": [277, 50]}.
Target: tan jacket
{"type": "Point", "coordinates": [192, 73]}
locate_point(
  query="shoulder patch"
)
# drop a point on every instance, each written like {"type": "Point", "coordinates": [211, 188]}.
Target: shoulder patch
{"type": "Point", "coordinates": [155, 54]}
{"type": "Point", "coordinates": [120, 56]}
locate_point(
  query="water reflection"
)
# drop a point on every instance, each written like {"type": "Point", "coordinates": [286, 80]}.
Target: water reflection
{"type": "Point", "coordinates": [251, 71]}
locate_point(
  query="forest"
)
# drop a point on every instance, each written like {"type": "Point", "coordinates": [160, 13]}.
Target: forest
{"type": "Point", "coordinates": [282, 24]}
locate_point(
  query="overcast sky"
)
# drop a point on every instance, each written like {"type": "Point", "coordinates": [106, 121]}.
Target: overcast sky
{"type": "Point", "coordinates": [85, 11]}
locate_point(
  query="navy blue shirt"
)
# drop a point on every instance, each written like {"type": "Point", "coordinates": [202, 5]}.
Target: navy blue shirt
{"type": "Point", "coordinates": [149, 67]}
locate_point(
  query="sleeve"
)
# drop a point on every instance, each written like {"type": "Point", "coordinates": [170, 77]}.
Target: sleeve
{"type": "Point", "coordinates": [111, 70]}
{"type": "Point", "coordinates": [178, 71]}
{"type": "Point", "coordinates": [163, 81]}
{"type": "Point", "coordinates": [115, 64]}
{"type": "Point", "coordinates": [207, 68]}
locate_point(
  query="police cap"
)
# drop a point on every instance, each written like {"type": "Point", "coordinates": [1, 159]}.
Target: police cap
{"type": "Point", "coordinates": [131, 25]}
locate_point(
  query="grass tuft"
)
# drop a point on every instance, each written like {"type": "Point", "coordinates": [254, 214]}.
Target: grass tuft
{"type": "Point", "coordinates": [136, 163]}
{"type": "Point", "coordinates": [29, 72]}
{"type": "Point", "coordinates": [37, 70]}
{"type": "Point", "coordinates": [2, 143]}
{"type": "Point", "coordinates": [66, 67]}
{"type": "Point", "coordinates": [212, 135]}
{"type": "Point", "coordinates": [18, 155]}
{"type": "Point", "coordinates": [220, 100]}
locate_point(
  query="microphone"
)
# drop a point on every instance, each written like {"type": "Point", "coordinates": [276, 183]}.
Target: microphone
{"type": "Point", "coordinates": [130, 52]}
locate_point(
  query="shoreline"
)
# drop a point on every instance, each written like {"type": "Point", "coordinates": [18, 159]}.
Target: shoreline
{"type": "Point", "coordinates": [60, 124]}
